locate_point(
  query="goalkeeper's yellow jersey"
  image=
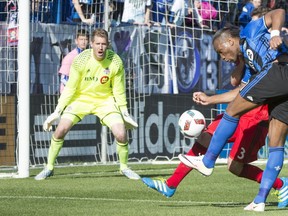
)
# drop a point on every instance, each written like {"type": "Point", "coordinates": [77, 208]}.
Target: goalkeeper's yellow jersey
{"type": "Point", "coordinates": [94, 81]}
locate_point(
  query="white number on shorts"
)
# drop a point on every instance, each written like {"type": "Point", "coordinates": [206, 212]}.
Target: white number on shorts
{"type": "Point", "coordinates": [242, 154]}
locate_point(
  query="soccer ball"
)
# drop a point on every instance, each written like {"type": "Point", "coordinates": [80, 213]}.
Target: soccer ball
{"type": "Point", "coordinates": [191, 123]}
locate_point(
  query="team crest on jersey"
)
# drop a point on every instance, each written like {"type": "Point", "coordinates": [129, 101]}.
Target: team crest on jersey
{"type": "Point", "coordinates": [250, 55]}
{"type": "Point", "coordinates": [104, 79]}
{"type": "Point", "coordinates": [107, 71]}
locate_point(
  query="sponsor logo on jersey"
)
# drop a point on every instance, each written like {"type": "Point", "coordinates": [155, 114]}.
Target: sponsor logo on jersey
{"type": "Point", "coordinates": [104, 79]}
{"type": "Point", "coordinates": [107, 71]}
{"type": "Point", "coordinates": [90, 79]}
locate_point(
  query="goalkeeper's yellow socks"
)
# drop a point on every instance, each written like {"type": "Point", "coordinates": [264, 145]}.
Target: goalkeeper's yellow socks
{"type": "Point", "coordinates": [55, 147]}
{"type": "Point", "coordinates": [122, 151]}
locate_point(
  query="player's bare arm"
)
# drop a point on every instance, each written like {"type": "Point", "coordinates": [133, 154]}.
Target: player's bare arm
{"type": "Point", "coordinates": [275, 20]}
{"type": "Point", "coordinates": [203, 99]}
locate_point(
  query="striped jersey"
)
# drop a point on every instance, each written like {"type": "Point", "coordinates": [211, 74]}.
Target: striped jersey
{"type": "Point", "coordinates": [254, 44]}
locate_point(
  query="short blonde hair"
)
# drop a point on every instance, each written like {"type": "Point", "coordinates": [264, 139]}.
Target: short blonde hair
{"type": "Point", "coordinates": [99, 33]}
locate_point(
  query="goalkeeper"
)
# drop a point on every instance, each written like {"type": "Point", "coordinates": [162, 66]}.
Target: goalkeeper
{"type": "Point", "coordinates": [96, 86]}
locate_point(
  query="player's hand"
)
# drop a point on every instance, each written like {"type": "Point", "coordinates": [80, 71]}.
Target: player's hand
{"type": "Point", "coordinates": [129, 122]}
{"type": "Point", "coordinates": [90, 21]}
{"type": "Point", "coordinates": [47, 125]}
{"type": "Point", "coordinates": [275, 42]}
{"type": "Point", "coordinates": [200, 98]}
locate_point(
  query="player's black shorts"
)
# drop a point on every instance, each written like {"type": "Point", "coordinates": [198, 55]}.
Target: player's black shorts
{"type": "Point", "coordinates": [270, 87]}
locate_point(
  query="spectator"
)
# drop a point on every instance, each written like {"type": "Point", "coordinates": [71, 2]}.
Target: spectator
{"type": "Point", "coordinates": [81, 42]}
{"type": "Point", "coordinates": [245, 16]}
{"type": "Point", "coordinates": [178, 11]}
{"type": "Point", "coordinates": [206, 11]}
{"type": "Point", "coordinates": [87, 11]}
{"type": "Point", "coordinates": [160, 10]}
{"type": "Point", "coordinates": [117, 12]}
{"type": "Point", "coordinates": [43, 11]}
{"type": "Point", "coordinates": [137, 12]}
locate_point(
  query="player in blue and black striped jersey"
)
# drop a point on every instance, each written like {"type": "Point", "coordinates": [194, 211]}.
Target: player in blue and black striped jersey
{"type": "Point", "coordinates": [266, 54]}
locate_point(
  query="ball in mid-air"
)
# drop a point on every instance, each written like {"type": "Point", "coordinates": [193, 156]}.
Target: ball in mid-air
{"type": "Point", "coordinates": [192, 123]}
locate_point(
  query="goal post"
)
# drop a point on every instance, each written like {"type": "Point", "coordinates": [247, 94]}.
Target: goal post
{"type": "Point", "coordinates": [23, 88]}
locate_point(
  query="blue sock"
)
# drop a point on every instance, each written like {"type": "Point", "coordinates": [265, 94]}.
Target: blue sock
{"type": "Point", "coordinates": [273, 168]}
{"type": "Point", "coordinates": [224, 131]}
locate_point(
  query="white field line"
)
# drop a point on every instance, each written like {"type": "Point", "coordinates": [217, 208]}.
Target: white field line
{"type": "Point", "coordinates": [122, 200]}
{"type": "Point", "coordinates": [107, 173]}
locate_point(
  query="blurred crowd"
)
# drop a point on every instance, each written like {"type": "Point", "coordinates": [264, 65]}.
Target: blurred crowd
{"type": "Point", "coordinates": [206, 14]}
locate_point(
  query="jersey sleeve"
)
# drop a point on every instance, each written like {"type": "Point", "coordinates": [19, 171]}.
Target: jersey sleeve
{"type": "Point", "coordinates": [118, 84]}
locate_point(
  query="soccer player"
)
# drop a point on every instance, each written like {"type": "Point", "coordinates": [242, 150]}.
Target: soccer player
{"type": "Point", "coordinates": [81, 41]}
{"type": "Point", "coordinates": [263, 53]}
{"type": "Point", "coordinates": [96, 86]}
{"type": "Point", "coordinates": [248, 138]}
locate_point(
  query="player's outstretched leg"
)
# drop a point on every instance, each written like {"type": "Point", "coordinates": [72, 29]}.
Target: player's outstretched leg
{"type": "Point", "coordinates": [196, 163]}
{"type": "Point", "coordinates": [282, 194]}
{"type": "Point", "coordinates": [160, 186]}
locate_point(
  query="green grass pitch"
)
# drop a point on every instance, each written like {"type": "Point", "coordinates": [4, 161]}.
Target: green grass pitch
{"type": "Point", "coordinates": [101, 190]}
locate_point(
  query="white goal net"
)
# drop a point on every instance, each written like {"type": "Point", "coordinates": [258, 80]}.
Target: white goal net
{"type": "Point", "coordinates": [164, 64]}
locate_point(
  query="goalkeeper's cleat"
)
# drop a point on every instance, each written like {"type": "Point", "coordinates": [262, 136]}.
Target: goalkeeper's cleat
{"type": "Point", "coordinates": [259, 207]}
{"type": "Point", "coordinates": [196, 163]}
{"type": "Point", "coordinates": [45, 173]}
{"type": "Point", "coordinates": [282, 194]}
{"type": "Point", "coordinates": [130, 174]}
{"type": "Point", "coordinates": [160, 186]}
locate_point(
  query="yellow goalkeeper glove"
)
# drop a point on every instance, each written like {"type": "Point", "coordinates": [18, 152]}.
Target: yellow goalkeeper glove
{"type": "Point", "coordinates": [47, 125]}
